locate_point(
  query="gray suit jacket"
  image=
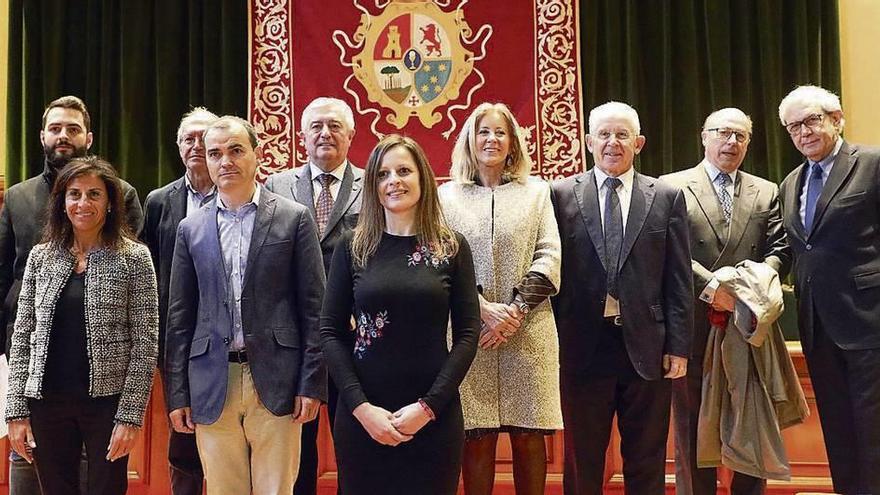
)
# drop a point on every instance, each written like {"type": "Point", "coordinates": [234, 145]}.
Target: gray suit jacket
{"type": "Point", "coordinates": [296, 185]}
{"type": "Point", "coordinates": [280, 307]}
{"type": "Point", "coordinates": [755, 234]}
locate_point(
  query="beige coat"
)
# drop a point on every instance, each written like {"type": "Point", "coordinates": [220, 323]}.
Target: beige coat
{"type": "Point", "coordinates": [750, 387]}
{"type": "Point", "coordinates": [511, 231]}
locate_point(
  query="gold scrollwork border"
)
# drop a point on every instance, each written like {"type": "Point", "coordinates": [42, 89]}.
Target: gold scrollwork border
{"type": "Point", "coordinates": [270, 85]}
{"type": "Point", "coordinates": [558, 89]}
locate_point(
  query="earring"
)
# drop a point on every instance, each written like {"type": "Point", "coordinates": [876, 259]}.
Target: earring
{"type": "Point", "coordinates": [108, 209]}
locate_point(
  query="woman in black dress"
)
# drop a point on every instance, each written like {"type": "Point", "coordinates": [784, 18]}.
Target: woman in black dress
{"type": "Point", "coordinates": [402, 274]}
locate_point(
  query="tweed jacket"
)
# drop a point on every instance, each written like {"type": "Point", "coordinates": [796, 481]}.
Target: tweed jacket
{"type": "Point", "coordinates": [122, 326]}
{"type": "Point", "coordinates": [511, 231]}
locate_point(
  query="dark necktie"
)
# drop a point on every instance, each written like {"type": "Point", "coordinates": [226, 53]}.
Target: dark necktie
{"type": "Point", "coordinates": [613, 233]}
{"type": "Point", "coordinates": [324, 205]}
{"type": "Point", "coordinates": [814, 189]}
{"type": "Point", "coordinates": [723, 181]}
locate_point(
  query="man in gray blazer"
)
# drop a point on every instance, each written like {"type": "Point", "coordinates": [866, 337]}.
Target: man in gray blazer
{"type": "Point", "coordinates": [330, 187]}
{"type": "Point", "coordinates": [733, 216]}
{"type": "Point", "coordinates": [831, 213]}
{"type": "Point", "coordinates": [243, 356]}
{"type": "Point", "coordinates": [164, 208]}
{"type": "Point", "coordinates": [66, 134]}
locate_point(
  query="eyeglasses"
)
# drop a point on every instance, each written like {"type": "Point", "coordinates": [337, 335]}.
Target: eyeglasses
{"type": "Point", "coordinates": [606, 135]}
{"type": "Point", "coordinates": [724, 134]}
{"type": "Point", "coordinates": [813, 122]}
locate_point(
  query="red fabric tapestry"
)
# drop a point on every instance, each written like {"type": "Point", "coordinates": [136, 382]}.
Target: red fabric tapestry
{"type": "Point", "coordinates": [418, 68]}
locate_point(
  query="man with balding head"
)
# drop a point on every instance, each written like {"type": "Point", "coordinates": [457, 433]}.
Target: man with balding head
{"type": "Point", "coordinates": [831, 213]}
{"type": "Point", "coordinates": [329, 185]}
{"type": "Point", "coordinates": [164, 209]}
{"type": "Point", "coordinates": [243, 356]}
{"type": "Point", "coordinates": [733, 216]}
{"type": "Point", "coordinates": [624, 312]}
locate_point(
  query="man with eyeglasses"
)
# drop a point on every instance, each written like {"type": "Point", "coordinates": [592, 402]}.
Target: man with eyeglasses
{"type": "Point", "coordinates": [624, 312]}
{"type": "Point", "coordinates": [831, 206]}
{"type": "Point", "coordinates": [733, 216]}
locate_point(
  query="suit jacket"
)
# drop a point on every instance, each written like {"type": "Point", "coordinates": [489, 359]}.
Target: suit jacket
{"type": "Point", "coordinates": [121, 326]}
{"type": "Point", "coordinates": [755, 233]}
{"type": "Point", "coordinates": [21, 228]}
{"type": "Point", "coordinates": [837, 266]}
{"type": "Point", "coordinates": [280, 307]}
{"type": "Point", "coordinates": [656, 287]}
{"type": "Point", "coordinates": [164, 208]}
{"type": "Point", "coordinates": [296, 185]}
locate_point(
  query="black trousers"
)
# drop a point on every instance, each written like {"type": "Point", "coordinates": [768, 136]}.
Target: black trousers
{"type": "Point", "coordinates": [61, 425]}
{"type": "Point", "coordinates": [185, 465]}
{"type": "Point", "coordinates": [590, 401]}
{"type": "Point", "coordinates": [847, 387]}
{"type": "Point", "coordinates": [689, 479]}
{"type": "Point", "coordinates": [307, 479]}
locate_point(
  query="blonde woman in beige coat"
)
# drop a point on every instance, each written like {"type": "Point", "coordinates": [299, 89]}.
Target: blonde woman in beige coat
{"type": "Point", "coordinates": [507, 218]}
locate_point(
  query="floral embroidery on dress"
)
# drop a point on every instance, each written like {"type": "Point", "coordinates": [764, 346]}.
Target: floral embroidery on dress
{"type": "Point", "coordinates": [368, 329]}
{"type": "Point", "coordinates": [423, 254]}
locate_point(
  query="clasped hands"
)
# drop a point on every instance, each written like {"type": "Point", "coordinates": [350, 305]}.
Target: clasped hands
{"type": "Point", "coordinates": [500, 322]}
{"type": "Point", "coordinates": [390, 428]}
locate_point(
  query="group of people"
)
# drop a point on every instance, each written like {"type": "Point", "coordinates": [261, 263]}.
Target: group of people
{"type": "Point", "coordinates": [495, 303]}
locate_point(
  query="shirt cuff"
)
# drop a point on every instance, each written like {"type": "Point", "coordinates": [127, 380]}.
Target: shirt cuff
{"type": "Point", "coordinates": [708, 294]}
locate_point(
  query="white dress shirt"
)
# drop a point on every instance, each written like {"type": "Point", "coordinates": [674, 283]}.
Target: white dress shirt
{"type": "Point", "coordinates": [338, 172]}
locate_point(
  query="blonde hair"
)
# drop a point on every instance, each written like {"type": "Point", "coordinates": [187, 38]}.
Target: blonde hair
{"type": "Point", "coordinates": [517, 165]}
{"type": "Point", "coordinates": [431, 227]}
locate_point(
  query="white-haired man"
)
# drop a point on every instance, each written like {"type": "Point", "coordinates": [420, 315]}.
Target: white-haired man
{"type": "Point", "coordinates": [329, 186]}
{"type": "Point", "coordinates": [624, 312]}
{"type": "Point", "coordinates": [733, 216]}
{"type": "Point", "coordinates": [831, 205]}
{"type": "Point", "coordinates": [164, 209]}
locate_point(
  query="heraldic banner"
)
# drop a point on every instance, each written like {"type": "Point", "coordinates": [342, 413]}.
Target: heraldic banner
{"type": "Point", "coordinates": [418, 68]}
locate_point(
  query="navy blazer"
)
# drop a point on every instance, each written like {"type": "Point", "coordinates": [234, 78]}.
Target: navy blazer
{"type": "Point", "coordinates": [836, 266]}
{"type": "Point", "coordinates": [656, 284]}
{"type": "Point", "coordinates": [280, 308]}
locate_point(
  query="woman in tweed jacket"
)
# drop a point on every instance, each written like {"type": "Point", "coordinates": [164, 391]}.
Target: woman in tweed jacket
{"type": "Point", "coordinates": [507, 218]}
{"type": "Point", "coordinates": [85, 340]}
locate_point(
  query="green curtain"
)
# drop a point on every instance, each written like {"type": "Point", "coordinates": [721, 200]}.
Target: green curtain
{"type": "Point", "coordinates": [676, 61]}
{"type": "Point", "coordinates": [138, 65]}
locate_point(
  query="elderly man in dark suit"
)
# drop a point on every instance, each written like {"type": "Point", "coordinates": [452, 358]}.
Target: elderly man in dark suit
{"type": "Point", "coordinates": [243, 356]}
{"type": "Point", "coordinates": [330, 187]}
{"type": "Point", "coordinates": [164, 208]}
{"type": "Point", "coordinates": [831, 206]}
{"type": "Point", "coordinates": [66, 134]}
{"type": "Point", "coordinates": [624, 312]}
{"type": "Point", "coordinates": [733, 216]}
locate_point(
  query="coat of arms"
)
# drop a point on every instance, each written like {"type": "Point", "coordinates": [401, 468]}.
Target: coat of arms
{"type": "Point", "coordinates": [413, 59]}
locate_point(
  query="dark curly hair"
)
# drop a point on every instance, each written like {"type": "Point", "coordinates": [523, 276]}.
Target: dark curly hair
{"type": "Point", "coordinates": [59, 231]}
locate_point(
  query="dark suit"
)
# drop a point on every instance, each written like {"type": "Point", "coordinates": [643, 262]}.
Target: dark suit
{"type": "Point", "coordinates": [607, 369]}
{"type": "Point", "coordinates": [755, 233]}
{"type": "Point", "coordinates": [164, 208]}
{"type": "Point", "coordinates": [280, 307]}
{"type": "Point", "coordinates": [297, 184]}
{"type": "Point", "coordinates": [837, 283]}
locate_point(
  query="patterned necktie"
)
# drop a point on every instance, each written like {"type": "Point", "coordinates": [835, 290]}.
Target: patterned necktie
{"type": "Point", "coordinates": [723, 181]}
{"type": "Point", "coordinates": [613, 233]}
{"type": "Point", "coordinates": [814, 189]}
{"type": "Point", "coordinates": [324, 205]}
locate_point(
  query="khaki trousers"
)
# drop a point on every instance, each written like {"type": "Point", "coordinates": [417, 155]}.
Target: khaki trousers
{"type": "Point", "coordinates": [248, 449]}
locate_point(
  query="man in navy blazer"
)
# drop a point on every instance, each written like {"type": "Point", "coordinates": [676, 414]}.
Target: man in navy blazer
{"type": "Point", "coordinates": [243, 356]}
{"type": "Point", "coordinates": [164, 208]}
{"type": "Point", "coordinates": [831, 213]}
{"type": "Point", "coordinates": [624, 312]}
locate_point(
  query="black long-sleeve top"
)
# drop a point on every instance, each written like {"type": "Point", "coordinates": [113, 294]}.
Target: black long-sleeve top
{"type": "Point", "coordinates": [402, 301]}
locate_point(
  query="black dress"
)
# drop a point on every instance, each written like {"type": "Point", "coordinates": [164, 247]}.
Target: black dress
{"type": "Point", "coordinates": [397, 354]}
